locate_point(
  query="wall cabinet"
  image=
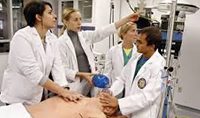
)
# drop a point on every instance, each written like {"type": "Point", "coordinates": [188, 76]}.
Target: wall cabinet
{"type": "Point", "coordinates": [84, 6]}
{"type": "Point", "coordinates": [11, 19]}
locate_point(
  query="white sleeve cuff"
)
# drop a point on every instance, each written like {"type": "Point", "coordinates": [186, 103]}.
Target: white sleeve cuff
{"type": "Point", "coordinates": [43, 80]}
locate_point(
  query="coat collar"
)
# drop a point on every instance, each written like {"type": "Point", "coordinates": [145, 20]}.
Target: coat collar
{"type": "Point", "coordinates": [150, 61]}
{"type": "Point", "coordinates": [38, 43]}
{"type": "Point", "coordinates": [69, 42]}
{"type": "Point", "coordinates": [71, 46]}
{"type": "Point", "coordinates": [36, 34]}
{"type": "Point", "coordinates": [134, 51]}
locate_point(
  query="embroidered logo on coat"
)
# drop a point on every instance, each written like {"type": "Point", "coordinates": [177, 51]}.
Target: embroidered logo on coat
{"type": "Point", "coordinates": [141, 83]}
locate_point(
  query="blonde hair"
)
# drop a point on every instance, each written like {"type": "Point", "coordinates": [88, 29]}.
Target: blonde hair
{"type": "Point", "coordinates": [66, 16]}
{"type": "Point", "coordinates": [125, 28]}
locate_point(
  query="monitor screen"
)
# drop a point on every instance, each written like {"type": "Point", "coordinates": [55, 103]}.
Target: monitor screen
{"type": "Point", "coordinates": [177, 36]}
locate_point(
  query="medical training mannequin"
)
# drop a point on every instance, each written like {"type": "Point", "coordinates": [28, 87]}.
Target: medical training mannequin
{"type": "Point", "coordinates": [33, 54]}
{"type": "Point", "coordinates": [75, 48]}
{"type": "Point", "coordinates": [142, 80]}
{"type": "Point", "coordinates": [56, 107]}
{"type": "Point", "coordinates": [118, 56]}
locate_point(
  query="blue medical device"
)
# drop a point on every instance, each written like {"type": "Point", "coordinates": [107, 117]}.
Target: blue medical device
{"type": "Point", "coordinates": [100, 81]}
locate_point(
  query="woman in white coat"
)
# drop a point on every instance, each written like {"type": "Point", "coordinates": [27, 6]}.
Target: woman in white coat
{"type": "Point", "coordinates": [141, 79]}
{"type": "Point", "coordinates": [75, 48]}
{"type": "Point", "coordinates": [33, 54]}
{"type": "Point", "coordinates": [118, 56]}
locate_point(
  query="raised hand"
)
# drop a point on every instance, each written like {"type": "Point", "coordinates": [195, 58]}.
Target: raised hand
{"type": "Point", "coordinates": [130, 18]}
{"type": "Point", "coordinates": [133, 17]}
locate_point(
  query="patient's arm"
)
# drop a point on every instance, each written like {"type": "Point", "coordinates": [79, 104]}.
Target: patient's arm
{"type": "Point", "coordinates": [56, 107]}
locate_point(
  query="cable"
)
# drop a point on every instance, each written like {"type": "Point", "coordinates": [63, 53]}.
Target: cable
{"type": "Point", "coordinates": [130, 6]}
{"type": "Point", "coordinates": [136, 11]}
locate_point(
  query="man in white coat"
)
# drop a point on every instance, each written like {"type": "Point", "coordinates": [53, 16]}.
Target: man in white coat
{"type": "Point", "coordinates": [141, 79]}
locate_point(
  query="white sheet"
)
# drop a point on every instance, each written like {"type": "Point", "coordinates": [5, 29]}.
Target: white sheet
{"type": "Point", "coordinates": [14, 111]}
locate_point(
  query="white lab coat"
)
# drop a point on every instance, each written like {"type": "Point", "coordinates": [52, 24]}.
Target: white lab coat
{"type": "Point", "coordinates": [87, 38]}
{"type": "Point", "coordinates": [115, 61]}
{"type": "Point", "coordinates": [28, 65]}
{"type": "Point", "coordinates": [138, 102]}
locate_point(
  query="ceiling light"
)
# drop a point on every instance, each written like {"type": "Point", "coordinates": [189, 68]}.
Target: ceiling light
{"type": "Point", "coordinates": [182, 5]}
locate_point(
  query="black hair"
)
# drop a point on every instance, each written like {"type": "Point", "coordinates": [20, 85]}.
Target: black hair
{"type": "Point", "coordinates": [143, 22]}
{"type": "Point", "coordinates": [153, 36]}
{"type": "Point", "coordinates": [33, 8]}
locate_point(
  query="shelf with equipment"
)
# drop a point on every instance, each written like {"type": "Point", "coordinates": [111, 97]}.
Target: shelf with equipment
{"type": "Point", "coordinates": [11, 19]}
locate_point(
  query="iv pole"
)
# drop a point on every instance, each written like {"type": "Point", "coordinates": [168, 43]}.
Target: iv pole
{"type": "Point", "coordinates": [168, 68]}
{"type": "Point", "coordinates": [170, 31]}
{"type": "Point", "coordinates": [111, 20]}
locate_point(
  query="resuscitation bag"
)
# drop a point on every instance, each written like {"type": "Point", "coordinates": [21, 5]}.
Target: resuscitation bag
{"type": "Point", "coordinates": [100, 81]}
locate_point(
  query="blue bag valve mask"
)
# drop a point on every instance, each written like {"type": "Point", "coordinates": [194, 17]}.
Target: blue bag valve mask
{"type": "Point", "coordinates": [100, 81]}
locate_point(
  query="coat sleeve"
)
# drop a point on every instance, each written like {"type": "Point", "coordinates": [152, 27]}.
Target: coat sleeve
{"type": "Point", "coordinates": [66, 62]}
{"type": "Point", "coordinates": [58, 69]}
{"type": "Point", "coordinates": [145, 97]}
{"type": "Point", "coordinates": [22, 56]}
{"type": "Point", "coordinates": [99, 34]}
